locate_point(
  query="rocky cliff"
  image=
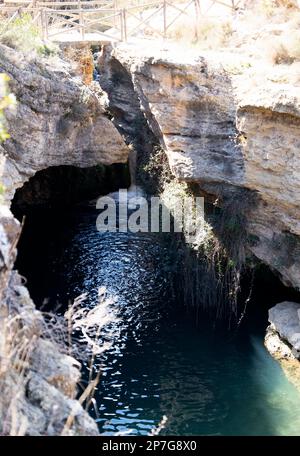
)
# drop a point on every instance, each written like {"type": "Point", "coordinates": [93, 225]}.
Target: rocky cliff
{"type": "Point", "coordinates": [57, 121]}
{"type": "Point", "coordinates": [226, 126]}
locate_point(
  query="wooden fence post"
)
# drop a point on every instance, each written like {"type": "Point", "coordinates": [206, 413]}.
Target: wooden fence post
{"type": "Point", "coordinates": [125, 24]}
{"type": "Point", "coordinates": [121, 25]}
{"type": "Point", "coordinates": [81, 23]}
{"type": "Point", "coordinates": [197, 13]}
{"type": "Point", "coordinates": [34, 7]}
{"type": "Point", "coordinates": [44, 23]}
{"type": "Point", "coordinates": [115, 13]}
{"type": "Point", "coordinates": [165, 18]}
{"type": "Point", "coordinates": [40, 21]}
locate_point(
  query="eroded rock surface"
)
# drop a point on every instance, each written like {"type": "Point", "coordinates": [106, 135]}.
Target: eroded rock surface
{"type": "Point", "coordinates": [227, 129]}
{"type": "Point", "coordinates": [58, 121]}
{"type": "Point", "coordinates": [38, 381]}
{"type": "Point", "coordinates": [285, 319]}
{"type": "Point", "coordinates": [282, 339]}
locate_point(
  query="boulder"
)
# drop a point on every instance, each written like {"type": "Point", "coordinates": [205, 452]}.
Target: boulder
{"type": "Point", "coordinates": [285, 319]}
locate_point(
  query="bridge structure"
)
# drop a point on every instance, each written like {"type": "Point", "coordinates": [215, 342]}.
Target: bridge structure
{"type": "Point", "coordinates": [103, 21]}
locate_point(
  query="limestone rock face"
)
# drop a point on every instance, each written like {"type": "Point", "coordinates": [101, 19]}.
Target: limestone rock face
{"type": "Point", "coordinates": [285, 319]}
{"type": "Point", "coordinates": [58, 121]}
{"type": "Point", "coordinates": [227, 130]}
{"type": "Point", "coordinates": [42, 397]}
{"type": "Point", "coordinates": [282, 338]}
{"type": "Point", "coordinates": [284, 354]}
{"type": "Point", "coordinates": [9, 233]}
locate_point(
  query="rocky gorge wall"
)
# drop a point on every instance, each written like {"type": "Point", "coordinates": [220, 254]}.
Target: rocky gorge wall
{"type": "Point", "coordinates": [226, 127]}
{"type": "Point", "coordinates": [232, 128]}
{"type": "Point", "coordinates": [219, 130]}
{"type": "Point", "coordinates": [57, 121]}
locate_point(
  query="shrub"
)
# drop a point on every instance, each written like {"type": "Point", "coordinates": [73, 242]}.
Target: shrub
{"type": "Point", "coordinates": [283, 49]}
{"type": "Point", "coordinates": [24, 35]}
{"type": "Point", "coordinates": [270, 7]}
{"type": "Point", "coordinates": [80, 333]}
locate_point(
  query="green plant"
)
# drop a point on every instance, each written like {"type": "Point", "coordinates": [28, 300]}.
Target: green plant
{"type": "Point", "coordinates": [156, 173]}
{"type": "Point", "coordinates": [24, 35]}
{"type": "Point", "coordinates": [6, 100]}
{"type": "Point", "coordinates": [211, 266]}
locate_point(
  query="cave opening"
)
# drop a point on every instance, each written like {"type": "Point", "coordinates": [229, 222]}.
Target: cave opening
{"type": "Point", "coordinates": [47, 204]}
{"type": "Point", "coordinates": [63, 186]}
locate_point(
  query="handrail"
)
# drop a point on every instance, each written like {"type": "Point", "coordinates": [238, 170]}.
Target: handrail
{"type": "Point", "coordinates": [78, 3]}
{"type": "Point", "coordinates": [83, 16]}
{"type": "Point", "coordinates": [66, 12]}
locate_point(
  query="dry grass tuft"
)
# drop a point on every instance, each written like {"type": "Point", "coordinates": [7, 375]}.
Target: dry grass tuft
{"type": "Point", "coordinates": [16, 344]}
{"type": "Point", "coordinates": [81, 58]}
{"type": "Point", "coordinates": [215, 258]}
{"type": "Point", "coordinates": [210, 33]}
{"type": "Point", "coordinates": [78, 333]}
{"type": "Point", "coordinates": [283, 49]}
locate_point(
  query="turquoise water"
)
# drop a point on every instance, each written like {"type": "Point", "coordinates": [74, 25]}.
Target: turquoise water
{"type": "Point", "coordinates": [205, 381]}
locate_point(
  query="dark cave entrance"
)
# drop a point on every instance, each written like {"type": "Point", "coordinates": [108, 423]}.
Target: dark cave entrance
{"type": "Point", "coordinates": [48, 204]}
{"type": "Point", "coordinates": [267, 290]}
{"type": "Point", "coordinates": [63, 186]}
